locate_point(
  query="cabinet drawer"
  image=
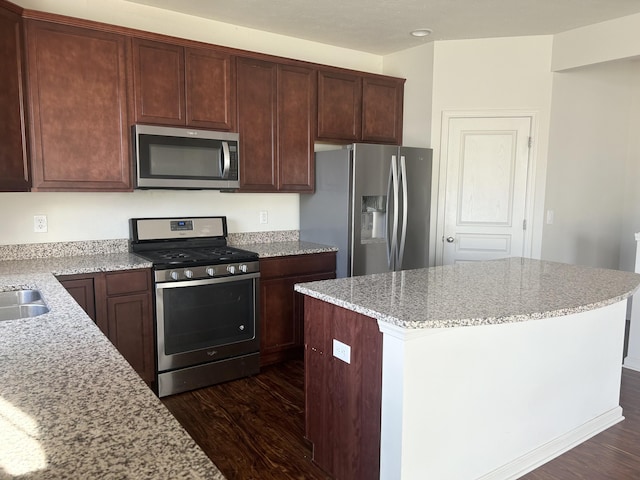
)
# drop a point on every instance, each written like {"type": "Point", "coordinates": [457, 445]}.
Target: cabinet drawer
{"type": "Point", "coordinates": [127, 282]}
{"type": "Point", "coordinates": [297, 265]}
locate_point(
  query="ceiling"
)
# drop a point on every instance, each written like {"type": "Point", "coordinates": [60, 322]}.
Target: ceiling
{"type": "Point", "coordinates": [383, 26]}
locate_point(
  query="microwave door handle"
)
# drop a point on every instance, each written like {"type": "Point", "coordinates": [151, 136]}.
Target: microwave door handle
{"type": "Point", "coordinates": [225, 160]}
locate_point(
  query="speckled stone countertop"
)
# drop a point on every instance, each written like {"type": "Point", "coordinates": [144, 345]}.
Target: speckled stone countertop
{"type": "Point", "coordinates": [498, 291]}
{"type": "Point", "coordinates": [70, 404]}
{"type": "Point", "coordinates": [281, 249]}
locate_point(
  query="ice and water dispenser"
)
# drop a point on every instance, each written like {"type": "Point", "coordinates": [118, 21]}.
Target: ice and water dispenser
{"type": "Point", "coordinates": [373, 219]}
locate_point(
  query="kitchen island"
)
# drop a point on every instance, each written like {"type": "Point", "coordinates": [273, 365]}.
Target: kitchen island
{"type": "Point", "coordinates": [474, 371]}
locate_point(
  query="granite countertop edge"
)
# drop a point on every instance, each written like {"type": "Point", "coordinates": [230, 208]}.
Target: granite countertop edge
{"type": "Point", "coordinates": [411, 311]}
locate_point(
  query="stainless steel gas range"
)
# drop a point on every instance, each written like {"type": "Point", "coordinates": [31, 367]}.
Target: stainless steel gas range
{"type": "Point", "coordinates": [206, 302]}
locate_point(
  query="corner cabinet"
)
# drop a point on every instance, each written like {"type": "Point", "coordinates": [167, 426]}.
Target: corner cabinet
{"type": "Point", "coordinates": [121, 305]}
{"type": "Point", "coordinates": [78, 121]}
{"type": "Point", "coordinates": [359, 107]}
{"type": "Point", "coordinates": [183, 86]}
{"type": "Point", "coordinates": [276, 123]}
{"type": "Point", "coordinates": [281, 308]}
{"type": "Point", "coordinates": [14, 167]}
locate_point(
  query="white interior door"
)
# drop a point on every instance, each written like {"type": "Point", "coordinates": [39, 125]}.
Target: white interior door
{"type": "Point", "coordinates": [485, 198]}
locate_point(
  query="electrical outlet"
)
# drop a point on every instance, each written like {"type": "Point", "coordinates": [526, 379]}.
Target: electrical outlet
{"type": "Point", "coordinates": [341, 351]}
{"type": "Point", "coordinates": [264, 216]}
{"type": "Point", "coordinates": [40, 224]}
{"type": "Point", "coordinates": [550, 217]}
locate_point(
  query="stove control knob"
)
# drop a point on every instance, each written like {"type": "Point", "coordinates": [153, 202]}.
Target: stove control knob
{"type": "Point", "coordinates": [243, 268]}
{"type": "Point", "coordinates": [211, 271]}
{"type": "Point", "coordinates": [188, 273]}
{"type": "Point", "coordinates": [231, 269]}
{"type": "Point", "coordinates": [174, 275]}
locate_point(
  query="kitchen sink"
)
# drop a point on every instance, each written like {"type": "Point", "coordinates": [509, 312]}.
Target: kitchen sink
{"type": "Point", "coordinates": [21, 304]}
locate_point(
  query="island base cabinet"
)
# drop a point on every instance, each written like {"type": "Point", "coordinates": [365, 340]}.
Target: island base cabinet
{"type": "Point", "coordinates": [343, 400]}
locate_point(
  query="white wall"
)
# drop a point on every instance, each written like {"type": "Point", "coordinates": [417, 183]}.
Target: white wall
{"type": "Point", "coordinates": [416, 65]}
{"type": "Point", "coordinates": [592, 171]}
{"type": "Point", "coordinates": [96, 216]}
{"type": "Point", "coordinates": [631, 223]}
{"type": "Point", "coordinates": [102, 216]}
{"type": "Point", "coordinates": [603, 42]}
{"type": "Point", "coordinates": [498, 74]}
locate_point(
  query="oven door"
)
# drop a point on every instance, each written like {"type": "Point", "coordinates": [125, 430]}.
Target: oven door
{"type": "Point", "coordinates": [200, 321]}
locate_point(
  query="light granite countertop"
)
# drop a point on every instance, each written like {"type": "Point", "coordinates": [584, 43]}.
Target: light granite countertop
{"type": "Point", "coordinates": [479, 293]}
{"type": "Point", "coordinates": [281, 249]}
{"type": "Point", "coordinates": [70, 404]}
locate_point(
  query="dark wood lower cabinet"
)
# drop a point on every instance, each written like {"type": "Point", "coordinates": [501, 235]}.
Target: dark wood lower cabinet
{"type": "Point", "coordinates": [83, 291]}
{"type": "Point", "coordinates": [343, 401]}
{"type": "Point", "coordinates": [281, 308]}
{"type": "Point", "coordinates": [121, 305]}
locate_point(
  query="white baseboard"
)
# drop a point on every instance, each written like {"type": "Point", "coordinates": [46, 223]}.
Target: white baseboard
{"type": "Point", "coordinates": [632, 363]}
{"type": "Point", "coordinates": [541, 455]}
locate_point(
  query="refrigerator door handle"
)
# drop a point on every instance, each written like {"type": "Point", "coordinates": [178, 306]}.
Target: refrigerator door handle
{"type": "Point", "coordinates": [389, 236]}
{"type": "Point", "coordinates": [396, 198]}
{"type": "Point", "coordinates": [405, 209]}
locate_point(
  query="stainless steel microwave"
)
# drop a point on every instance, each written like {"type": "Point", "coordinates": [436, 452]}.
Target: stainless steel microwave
{"type": "Point", "coordinates": [185, 158]}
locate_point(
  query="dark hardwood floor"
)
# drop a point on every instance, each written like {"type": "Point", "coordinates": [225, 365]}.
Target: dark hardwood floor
{"type": "Point", "coordinates": [253, 429]}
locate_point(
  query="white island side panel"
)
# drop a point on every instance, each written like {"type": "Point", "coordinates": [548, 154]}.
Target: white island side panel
{"type": "Point", "coordinates": [496, 401]}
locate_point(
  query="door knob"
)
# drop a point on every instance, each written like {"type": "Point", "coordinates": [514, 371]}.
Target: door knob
{"type": "Point", "coordinates": [450, 239]}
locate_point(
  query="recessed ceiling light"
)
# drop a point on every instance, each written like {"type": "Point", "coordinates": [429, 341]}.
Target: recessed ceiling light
{"type": "Point", "coordinates": [421, 32]}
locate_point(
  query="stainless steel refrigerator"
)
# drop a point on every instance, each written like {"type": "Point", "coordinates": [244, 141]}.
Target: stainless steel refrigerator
{"type": "Point", "coordinates": [373, 203]}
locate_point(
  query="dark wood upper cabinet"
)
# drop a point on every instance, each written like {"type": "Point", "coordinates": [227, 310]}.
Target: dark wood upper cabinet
{"type": "Point", "coordinates": [276, 112]}
{"type": "Point", "coordinates": [339, 106]}
{"type": "Point", "coordinates": [382, 100]}
{"type": "Point", "coordinates": [14, 167]}
{"type": "Point", "coordinates": [70, 89]}
{"type": "Point", "coordinates": [210, 89]}
{"type": "Point", "coordinates": [296, 128]}
{"type": "Point", "coordinates": [158, 72]}
{"type": "Point", "coordinates": [257, 84]}
{"type": "Point", "coordinates": [78, 122]}
{"type": "Point", "coordinates": [359, 107]}
{"type": "Point", "coordinates": [181, 86]}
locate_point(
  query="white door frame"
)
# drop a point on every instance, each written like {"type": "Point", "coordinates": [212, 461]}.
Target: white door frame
{"type": "Point", "coordinates": [442, 180]}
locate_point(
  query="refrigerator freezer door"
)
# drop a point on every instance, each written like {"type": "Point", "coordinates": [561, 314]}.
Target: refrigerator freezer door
{"type": "Point", "coordinates": [416, 205]}
{"type": "Point", "coordinates": [369, 199]}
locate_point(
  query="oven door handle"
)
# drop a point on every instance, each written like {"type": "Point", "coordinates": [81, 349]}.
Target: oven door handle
{"type": "Point", "coordinates": [207, 281]}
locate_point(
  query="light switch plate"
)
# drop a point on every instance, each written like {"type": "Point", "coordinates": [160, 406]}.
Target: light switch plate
{"type": "Point", "coordinates": [341, 351]}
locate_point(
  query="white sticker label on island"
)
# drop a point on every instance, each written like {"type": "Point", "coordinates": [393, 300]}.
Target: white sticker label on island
{"type": "Point", "coordinates": [341, 351]}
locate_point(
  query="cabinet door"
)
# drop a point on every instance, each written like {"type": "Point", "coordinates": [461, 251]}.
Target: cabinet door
{"type": "Point", "coordinates": [279, 326]}
{"type": "Point", "coordinates": [78, 98]}
{"type": "Point", "coordinates": [210, 89]}
{"type": "Point", "coordinates": [82, 291]}
{"type": "Point", "coordinates": [257, 124]}
{"type": "Point", "coordinates": [14, 168]}
{"type": "Point", "coordinates": [339, 106]}
{"type": "Point", "coordinates": [281, 308]}
{"type": "Point", "coordinates": [296, 128]}
{"type": "Point", "coordinates": [382, 109]}
{"type": "Point", "coordinates": [131, 331]}
{"type": "Point", "coordinates": [158, 72]}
